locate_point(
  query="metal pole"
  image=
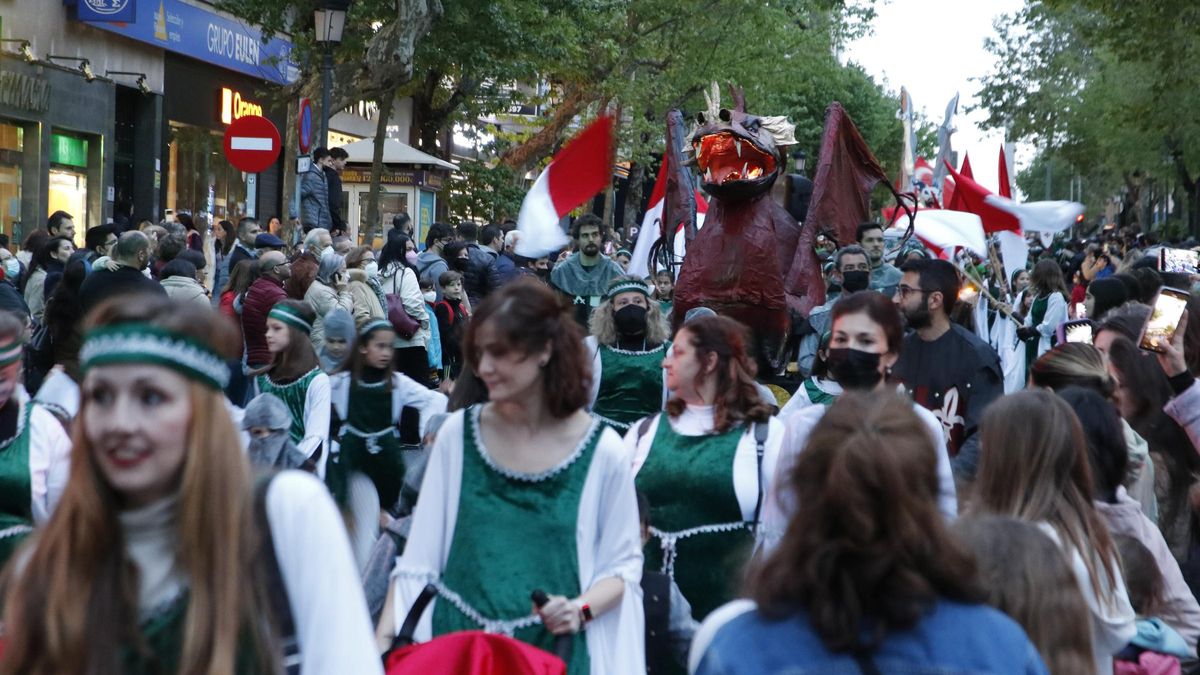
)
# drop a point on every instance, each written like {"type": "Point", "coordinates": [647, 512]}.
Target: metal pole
{"type": "Point", "coordinates": [326, 86]}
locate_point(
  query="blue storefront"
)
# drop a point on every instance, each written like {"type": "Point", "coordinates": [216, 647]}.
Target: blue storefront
{"type": "Point", "coordinates": [215, 69]}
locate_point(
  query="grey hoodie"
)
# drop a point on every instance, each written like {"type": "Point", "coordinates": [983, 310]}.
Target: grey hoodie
{"type": "Point", "coordinates": [430, 266]}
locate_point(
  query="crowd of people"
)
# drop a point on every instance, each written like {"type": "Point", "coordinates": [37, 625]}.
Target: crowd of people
{"type": "Point", "coordinates": [227, 454]}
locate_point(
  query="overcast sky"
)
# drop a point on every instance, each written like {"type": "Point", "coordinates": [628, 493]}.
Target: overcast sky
{"type": "Point", "coordinates": [935, 48]}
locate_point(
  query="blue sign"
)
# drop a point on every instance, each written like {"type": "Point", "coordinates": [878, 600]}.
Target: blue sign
{"type": "Point", "coordinates": [106, 10]}
{"type": "Point", "coordinates": [306, 127]}
{"type": "Point", "coordinates": [201, 34]}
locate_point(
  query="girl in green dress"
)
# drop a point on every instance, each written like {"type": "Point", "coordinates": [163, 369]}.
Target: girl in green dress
{"type": "Point", "coordinates": [164, 555]}
{"type": "Point", "coordinates": [295, 377]}
{"type": "Point", "coordinates": [528, 492]}
{"type": "Point", "coordinates": [627, 346]}
{"type": "Point", "coordinates": [705, 465]}
{"type": "Point", "coordinates": [1046, 312]}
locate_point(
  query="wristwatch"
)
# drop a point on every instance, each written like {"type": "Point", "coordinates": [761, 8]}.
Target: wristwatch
{"type": "Point", "coordinates": [585, 611]}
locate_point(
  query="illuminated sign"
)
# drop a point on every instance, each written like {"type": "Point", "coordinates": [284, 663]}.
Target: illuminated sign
{"type": "Point", "coordinates": [233, 106]}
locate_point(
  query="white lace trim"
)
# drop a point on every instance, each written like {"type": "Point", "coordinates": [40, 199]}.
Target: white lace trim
{"type": "Point", "coordinates": [553, 471]}
{"type": "Point", "coordinates": [498, 626]}
{"type": "Point", "coordinates": [15, 531]}
{"type": "Point", "coordinates": [661, 347]}
{"type": "Point", "coordinates": [611, 422]}
{"type": "Point", "coordinates": [670, 540]}
{"type": "Point", "coordinates": [299, 380]}
{"type": "Point", "coordinates": [371, 437]}
{"type": "Point", "coordinates": [197, 360]}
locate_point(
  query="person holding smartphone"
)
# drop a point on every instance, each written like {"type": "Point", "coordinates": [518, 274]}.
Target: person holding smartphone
{"type": "Point", "coordinates": [1184, 404]}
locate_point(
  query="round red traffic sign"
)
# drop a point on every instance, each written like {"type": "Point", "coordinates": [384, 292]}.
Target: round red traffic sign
{"type": "Point", "coordinates": [252, 144]}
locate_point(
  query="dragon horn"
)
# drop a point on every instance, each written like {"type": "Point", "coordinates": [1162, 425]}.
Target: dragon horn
{"type": "Point", "coordinates": [739, 97]}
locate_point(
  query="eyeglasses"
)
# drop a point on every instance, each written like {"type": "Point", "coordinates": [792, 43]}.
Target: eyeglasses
{"type": "Point", "coordinates": [905, 291]}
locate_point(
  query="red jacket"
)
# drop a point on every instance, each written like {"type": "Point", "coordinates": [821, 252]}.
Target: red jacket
{"type": "Point", "coordinates": [226, 308]}
{"type": "Point", "coordinates": [260, 298]}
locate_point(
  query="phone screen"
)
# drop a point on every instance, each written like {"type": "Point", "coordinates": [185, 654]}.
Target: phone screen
{"type": "Point", "coordinates": [1179, 261]}
{"type": "Point", "coordinates": [1078, 331]}
{"type": "Point", "coordinates": [1168, 310]}
{"type": "Point", "coordinates": [1080, 310]}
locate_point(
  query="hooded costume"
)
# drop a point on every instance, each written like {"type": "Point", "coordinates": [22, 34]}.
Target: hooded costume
{"type": "Point", "coordinates": [277, 449]}
{"type": "Point", "coordinates": [339, 325]}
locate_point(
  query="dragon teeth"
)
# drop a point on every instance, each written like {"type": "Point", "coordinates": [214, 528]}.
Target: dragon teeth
{"type": "Point", "coordinates": [738, 145]}
{"type": "Point", "coordinates": [744, 167]}
{"type": "Point", "coordinates": [708, 175]}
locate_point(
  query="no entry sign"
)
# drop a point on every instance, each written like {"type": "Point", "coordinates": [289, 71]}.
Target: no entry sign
{"type": "Point", "coordinates": [252, 143]}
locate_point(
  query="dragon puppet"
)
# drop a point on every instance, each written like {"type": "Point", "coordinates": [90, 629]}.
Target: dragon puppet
{"type": "Point", "coordinates": [737, 264]}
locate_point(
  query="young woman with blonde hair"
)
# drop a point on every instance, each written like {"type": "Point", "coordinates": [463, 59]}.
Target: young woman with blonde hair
{"type": "Point", "coordinates": [627, 344]}
{"type": "Point", "coordinates": [161, 552]}
{"type": "Point", "coordinates": [1038, 471]}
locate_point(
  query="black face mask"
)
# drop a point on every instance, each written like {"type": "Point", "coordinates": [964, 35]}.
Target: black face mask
{"type": "Point", "coordinates": [631, 320]}
{"type": "Point", "coordinates": [856, 280]}
{"type": "Point", "coordinates": [854, 368]}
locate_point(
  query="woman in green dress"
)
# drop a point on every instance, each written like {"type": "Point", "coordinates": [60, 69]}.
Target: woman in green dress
{"type": "Point", "coordinates": [706, 463]}
{"type": "Point", "coordinates": [164, 554]}
{"type": "Point", "coordinates": [1046, 312]}
{"type": "Point", "coordinates": [34, 449]}
{"type": "Point", "coordinates": [627, 346]}
{"type": "Point", "coordinates": [528, 492]}
{"type": "Point", "coordinates": [295, 377]}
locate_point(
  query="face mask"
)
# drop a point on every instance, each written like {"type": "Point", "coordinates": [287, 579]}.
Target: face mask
{"type": "Point", "coordinates": [12, 269]}
{"type": "Point", "coordinates": [326, 252]}
{"type": "Point", "coordinates": [372, 269]}
{"type": "Point", "coordinates": [411, 257]}
{"type": "Point", "coordinates": [631, 320]}
{"type": "Point", "coordinates": [854, 368]}
{"type": "Point", "coordinates": [855, 281]}
{"type": "Point", "coordinates": [431, 297]}
{"type": "Point", "coordinates": [542, 273]}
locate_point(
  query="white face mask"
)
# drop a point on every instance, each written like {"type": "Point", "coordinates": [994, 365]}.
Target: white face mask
{"type": "Point", "coordinates": [12, 269]}
{"type": "Point", "coordinates": [431, 296]}
{"type": "Point", "coordinates": [327, 251]}
{"type": "Point", "coordinates": [372, 269]}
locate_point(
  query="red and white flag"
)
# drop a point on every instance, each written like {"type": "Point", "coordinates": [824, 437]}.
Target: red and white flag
{"type": "Point", "coordinates": [575, 175]}
{"type": "Point", "coordinates": [1005, 183]}
{"type": "Point", "coordinates": [1001, 214]}
{"type": "Point", "coordinates": [943, 231]}
{"type": "Point", "coordinates": [651, 230]}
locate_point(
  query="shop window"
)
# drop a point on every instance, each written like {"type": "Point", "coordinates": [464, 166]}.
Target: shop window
{"type": "Point", "coordinates": [390, 204]}
{"type": "Point", "coordinates": [199, 179]}
{"type": "Point", "coordinates": [12, 142]}
{"type": "Point", "coordinates": [68, 185]}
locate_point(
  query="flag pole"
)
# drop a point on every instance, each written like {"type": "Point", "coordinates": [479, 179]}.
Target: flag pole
{"type": "Point", "coordinates": [990, 298]}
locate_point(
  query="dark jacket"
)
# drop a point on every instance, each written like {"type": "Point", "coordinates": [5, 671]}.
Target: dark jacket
{"type": "Point", "coordinates": [475, 279]}
{"type": "Point", "coordinates": [260, 298]}
{"type": "Point", "coordinates": [335, 201]}
{"type": "Point", "coordinates": [102, 284]}
{"type": "Point", "coordinates": [11, 300]}
{"type": "Point", "coordinates": [504, 270]}
{"type": "Point", "coordinates": [314, 199]}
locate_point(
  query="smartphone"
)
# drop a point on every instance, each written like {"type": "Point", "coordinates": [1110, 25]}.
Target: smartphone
{"type": "Point", "coordinates": [1179, 261]}
{"type": "Point", "coordinates": [1079, 330]}
{"type": "Point", "coordinates": [1080, 310]}
{"type": "Point", "coordinates": [1164, 319]}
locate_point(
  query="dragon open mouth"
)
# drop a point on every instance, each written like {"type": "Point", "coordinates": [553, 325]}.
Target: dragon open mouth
{"type": "Point", "coordinates": [724, 158]}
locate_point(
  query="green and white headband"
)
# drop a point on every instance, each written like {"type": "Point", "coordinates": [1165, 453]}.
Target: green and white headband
{"type": "Point", "coordinates": [290, 316]}
{"type": "Point", "coordinates": [626, 286]}
{"type": "Point", "coordinates": [131, 343]}
{"type": "Point", "coordinates": [11, 351]}
{"type": "Point", "coordinates": [374, 325]}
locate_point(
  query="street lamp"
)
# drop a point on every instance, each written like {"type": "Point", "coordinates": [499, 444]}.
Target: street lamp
{"type": "Point", "coordinates": [329, 19]}
{"type": "Point", "coordinates": [800, 158]}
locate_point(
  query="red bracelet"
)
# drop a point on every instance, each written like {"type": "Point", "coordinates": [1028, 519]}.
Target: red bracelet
{"type": "Point", "coordinates": [586, 611]}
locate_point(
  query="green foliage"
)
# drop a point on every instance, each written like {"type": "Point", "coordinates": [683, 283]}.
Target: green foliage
{"type": "Point", "coordinates": [483, 193]}
{"type": "Point", "coordinates": [1104, 89]}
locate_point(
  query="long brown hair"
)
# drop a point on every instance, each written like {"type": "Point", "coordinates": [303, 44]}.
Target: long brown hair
{"type": "Point", "coordinates": [738, 400]}
{"type": "Point", "coordinates": [868, 541]}
{"type": "Point", "coordinates": [528, 316]}
{"type": "Point", "coordinates": [1047, 278]}
{"type": "Point", "coordinates": [1028, 578]}
{"type": "Point", "coordinates": [1038, 471]}
{"type": "Point", "coordinates": [299, 357]}
{"type": "Point", "coordinates": [73, 602]}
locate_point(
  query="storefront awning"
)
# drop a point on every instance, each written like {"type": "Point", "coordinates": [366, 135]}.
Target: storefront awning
{"type": "Point", "coordinates": [394, 152]}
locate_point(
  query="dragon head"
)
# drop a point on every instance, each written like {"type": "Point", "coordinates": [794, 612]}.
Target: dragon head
{"type": "Point", "coordinates": [738, 154]}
